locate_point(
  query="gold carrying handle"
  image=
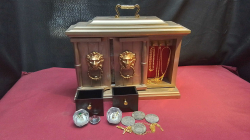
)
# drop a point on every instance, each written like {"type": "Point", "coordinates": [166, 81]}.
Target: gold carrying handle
{"type": "Point", "coordinates": [127, 7]}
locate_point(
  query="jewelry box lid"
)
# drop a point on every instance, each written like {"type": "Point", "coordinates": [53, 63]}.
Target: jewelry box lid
{"type": "Point", "coordinates": [125, 26]}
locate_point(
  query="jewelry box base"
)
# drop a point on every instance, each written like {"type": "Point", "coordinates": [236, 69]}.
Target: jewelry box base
{"type": "Point", "coordinates": [157, 93]}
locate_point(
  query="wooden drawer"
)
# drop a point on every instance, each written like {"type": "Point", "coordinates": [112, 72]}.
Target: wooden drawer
{"type": "Point", "coordinates": [125, 98]}
{"type": "Point", "coordinates": [85, 98]}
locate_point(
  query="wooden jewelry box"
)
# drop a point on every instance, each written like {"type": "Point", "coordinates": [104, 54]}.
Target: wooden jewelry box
{"type": "Point", "coordinates": [120, 51]}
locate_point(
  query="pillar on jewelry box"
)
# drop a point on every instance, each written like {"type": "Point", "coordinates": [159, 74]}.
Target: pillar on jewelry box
{"type": "Point", "coordinates": [130, 59]}
{"type": "Point", "coordinates": [92, 62]}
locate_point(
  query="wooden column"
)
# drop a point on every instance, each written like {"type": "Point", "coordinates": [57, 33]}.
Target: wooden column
{"type": "Point", "coordinates": [78, 65]}
{"type": "Point", "coordinates": [144, 63]}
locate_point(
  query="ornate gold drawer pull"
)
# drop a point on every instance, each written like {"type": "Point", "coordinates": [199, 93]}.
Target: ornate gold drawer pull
{"type": "Point", "coordinates": [125, 102]}
{"type": "Point", "coordinates": [89, 107]}
{"type": "Point", "coordinates": [127, 61]}
{"type": "Point", "coordinates": [95, 61]}
{"type": "Point", "coordinates": [127, 7]}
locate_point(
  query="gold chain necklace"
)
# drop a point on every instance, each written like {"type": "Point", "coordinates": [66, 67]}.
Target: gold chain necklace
{"type": "Point", "coordinates": [152, 58]}
{"type": "Point", "coordinates": [158, 62]}
{"type": "Point", "coordinates": [163, 73]}
{"type": "Point", "coordinates": [159, 66]}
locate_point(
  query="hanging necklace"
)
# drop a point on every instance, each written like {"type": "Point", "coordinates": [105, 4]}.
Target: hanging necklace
{"type": "Point", "coordinates": [163, 73]}
{"type": "Point", "coordinates": [159, 65]}
{"type": "Point", "coordinates": [152, 58]}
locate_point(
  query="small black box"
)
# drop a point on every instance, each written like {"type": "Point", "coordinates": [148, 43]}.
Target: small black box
{"type": "Point", "coordinates": [90, 100]}
{"type": "Point", "coordinates": [125, 98]}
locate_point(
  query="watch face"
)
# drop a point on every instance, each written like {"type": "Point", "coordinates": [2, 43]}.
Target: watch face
{"type": "Point", "coordinates": [114, 115]}
{"type": "Point", "coordinates": [81, 117]}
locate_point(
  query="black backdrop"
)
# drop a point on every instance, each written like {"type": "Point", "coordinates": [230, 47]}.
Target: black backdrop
{"type": "Point", "coordinates": [32, 32]}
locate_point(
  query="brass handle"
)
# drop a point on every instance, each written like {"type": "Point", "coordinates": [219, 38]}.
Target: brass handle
{"type": "Point", "coordinates": [127, 7]}
{"type": "Point", "coordinates": [89, 107]}
{"type": "Point", "coordinates": [125, 102]}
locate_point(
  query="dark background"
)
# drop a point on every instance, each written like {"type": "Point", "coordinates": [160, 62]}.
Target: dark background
{"type": "Point", "coordinates": [32, 32]}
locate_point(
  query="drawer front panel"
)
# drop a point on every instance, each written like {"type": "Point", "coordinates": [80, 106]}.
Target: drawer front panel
{"type": "Point", "coordinates": [132, 102]}
{"type": "Point", "coordinates": [96, 106]}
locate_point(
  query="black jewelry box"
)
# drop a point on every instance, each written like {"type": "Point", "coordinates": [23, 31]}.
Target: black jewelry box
{"type": "Point", "coordinates": [125, 98]}
{"type": "Point", "coordinates": [90, 100]}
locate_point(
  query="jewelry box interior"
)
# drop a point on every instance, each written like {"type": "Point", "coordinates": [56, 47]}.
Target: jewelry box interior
{"type": "Point", "coordinates": [160, 67]}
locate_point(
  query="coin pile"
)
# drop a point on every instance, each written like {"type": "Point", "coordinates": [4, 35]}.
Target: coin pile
{"type": "Point", "coordinates": [139, 128]}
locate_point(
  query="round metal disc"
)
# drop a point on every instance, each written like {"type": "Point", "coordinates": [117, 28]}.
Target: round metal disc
{"type": "Point", "coordinates": [152, 118]}
{"type": "Point", "coordinates": [139, 128]}
{"type": "Point", "coordinates": [128, 121]}
{"type": "Point", "coordinates": [138, 115]}
{"type": "Point", "coordinates": [94, 119]}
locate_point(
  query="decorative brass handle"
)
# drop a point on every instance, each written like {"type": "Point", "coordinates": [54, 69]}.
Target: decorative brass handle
{"type": "Point", "coordinates": [127, 7]}
{"type": "Point", "coordinates": [127, 76]}
{"type": "Point", "coordinates": [125, 102]}
{"type": "Point", "coordinates": [127, 61]}
{"type": "Point", "coordinates": [95, 61]}
{"type": "Point", "coordinates": [89, 107]}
